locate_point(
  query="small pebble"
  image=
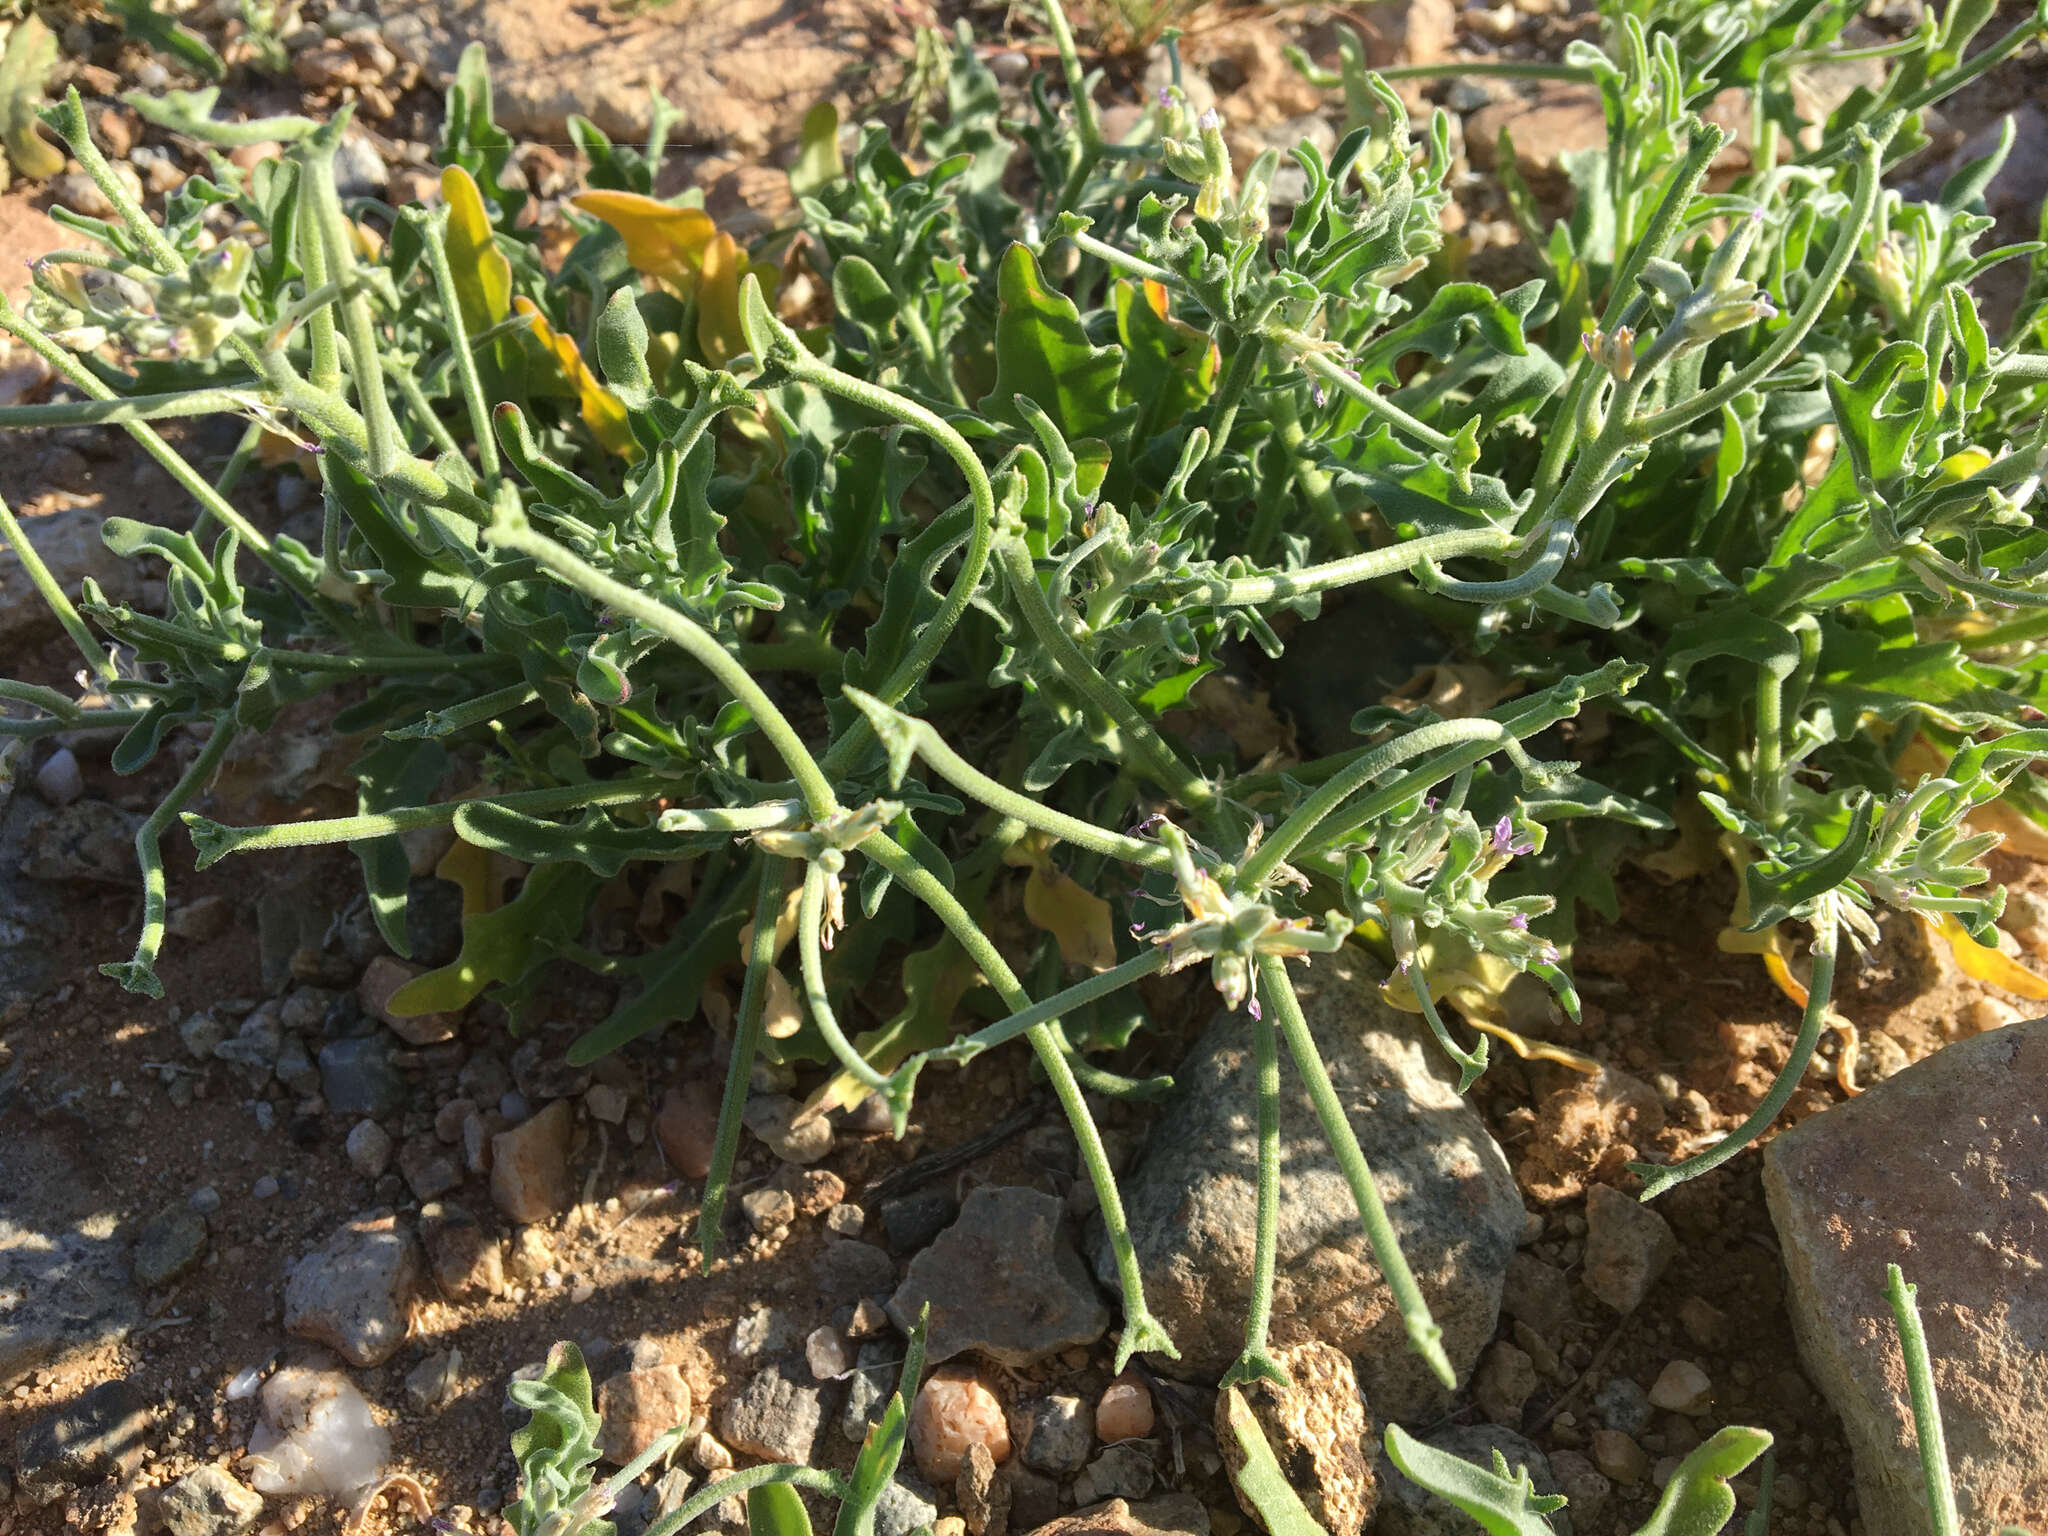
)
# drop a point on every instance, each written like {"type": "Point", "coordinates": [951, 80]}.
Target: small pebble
{"type": "Point", "coordinates": [954, 1411]}
{"type": "Point", "coordinates": [709, 1454]}
{"type": "Point", "coordinates": [767, 1209]}
{"type": "Point", "coordinates": [846, 1220]}
{"type": "Point", "coordinates": [205, 1200]}
{"type": "Point", "coordinates": [825, 1351]}
{"type": "Point", "coordinates": [1124, 1411]}
{"type": "Point", "coordinates": [59, 780]}
{"type": "Point", "coordinates": [264, 1188]}
{"type": "Point", "coordinates": [1682, 1387]}
{"type": "Point", "coordinates": [1619, 1457]}
{"type": "Point", "coordinates": [368, 1148]}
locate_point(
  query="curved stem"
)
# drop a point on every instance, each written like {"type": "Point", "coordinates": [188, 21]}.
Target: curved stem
{"type": "Point", "coordinates": [55, 597]}
{"type": "Point", "coordinates": [1819, 989]}
{"type": "Point", "coordinates": [1048, 1012]}
{"type": "Point", "coordinates": [1334, 791]}
{"type": "Point", "coordinates": [138, 974]}
{"type": "Point", "coordinates": [1308, 354]}
{"type": "Point", "coordinates": [1424, 1336]}
{"type": "Point", "coordinates": [1868, 184]}
{"type": "Point", "coordinates": [1256, 1362]}
{"type": "Point", "coordinates": [120, 410]}
{"type": "Point", "coordinates": [514, 532]}
{"type": "Point", "coordinates": [431, 241]}
{"type": "Point", "coordinates": [1159, 760]}
{"type": "Point", "coordinates": [1367, 565]}
{"type": "Point", "coordinates": [739, 1070]}
{"type": "Point", "coordinates": [810, 939]}
{"type": "Point", "coordinates": [1141, 1330]}
{"type": "Point", "coordinates": [1934, 1470]}
{"type": "Point", "coordinates": [711, 1495]}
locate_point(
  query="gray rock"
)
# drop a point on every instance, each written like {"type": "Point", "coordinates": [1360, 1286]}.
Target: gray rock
{"type": "Point", "coordinates": [368, 1148]}
{"type": "Point", "coordinates": [541, 1074]}
{"type": "Point", "coordinates": [68, 539]}
{"type": "Point", "coordinates": [1622, 1404]}
{"type": "Point", "coordinates": [169, 1245]}
{"type": "Point", "coordinates": [1005, 1279]}
{"type": "Point", "coordinates": [773, 1118]}
{"type": "Point", "coordinates": [1937, 1169]}
{"type": "Point", "coordinates": [899, 1511]}
{"type": "Point", "coordinates": [433, 921]}
{"type": "Point", "coordinates": [199, 1033]}
{"type": "Point", "coordinates": [1034, 1497]}
{"type": "Point", "coordinates": [359, 171]}
{"type": "Point", "coordinates": [88, 842]}
{"type": "Point", "coordinates": [256, 1044]}
{"type": "Point", "coordinates": [1124, 1471]}
{"type": "Point", "coordinates": [868, 1388]}
{"type": "Point", "coordinates": [763, 1331]}
{"type": "Point", "coordinates": [847, 1270]}
{"type": "Point", "coordinates": [353, 1292]}
{"type": "Point", "coordinates": [774, 1416]}
{"type": "Point", "coordinates": [205, 1200]}
{"type": "Point", "coordinates": [98, 1435]}
{"type": "Point", "coordinates": [1406, 1510]}
{"type": "Point", "coordinates": [1059, 1434]}
{"type": "Point", "coordinates": [767, 1209]}
{"type": "Point", "coordinates": [357, 1078]}
{"type": "Point", "coordinates": [208, 1501]}
{"type": "Point", "coordinates": [65, 1282]}
{"type": "Point", "coordinates": [1192, 1201]}
{"type": "Point", "coordinates": [1628, 1247]}
{"type": "Point", "coordinates": [295, 1068]}
{"type": "Point", "coordinates": [1538, 1294]}
{"type": "Point", "coordinates": [912, 1222]}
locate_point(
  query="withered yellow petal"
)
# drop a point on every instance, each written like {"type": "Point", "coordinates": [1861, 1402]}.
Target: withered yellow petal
{"type": "Point", "coordinates": [661, 241]}
{"type": "Point", "coordinates": [603, 412]}
{"type": "Point", "coordinates": [1986, 962]}
{"type": "Point", "coordinates": [1078, 920]}
{"type": "Point", "coordinates": [483, 277]}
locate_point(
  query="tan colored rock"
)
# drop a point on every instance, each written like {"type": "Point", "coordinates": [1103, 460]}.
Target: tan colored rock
{"type": "Point", "coordinates": [686, 1126]}
{"type": "Point", "coordinates": [1628, 1247]}
{"type": "Point", "coordinates": [1320, 1433]}
{"type": "Point", "coordinates": [1504, 1382]}
{"type": "Point", "coordinates": [1620, 1458]}
{"type": "Point", "coordinates": [1939, 1171]}
{"type": "Point", "coordinates": [638, 1408]}
{"type": "Point", "coordinates": [467, 1261]}
{"type": "Point", "coordinates": [1124, 1411]}
{"type": "Point", "coordinates": [381, 980]}
{"type": "Point", "coordinates": [1682, 1387]}
{"type": "Point", "coordinates": [1550, 121]}
{"type": "Point", "coordinates": [743, 73]}
{"type": "Point", "coordinates": [954, 1410]}
{"type": "Point", "coordinates": [26, 232]}
{"type": "Point", "coordinates": [530, 1165]}
{"type": "Point", "coordinates": [1113, 1518]}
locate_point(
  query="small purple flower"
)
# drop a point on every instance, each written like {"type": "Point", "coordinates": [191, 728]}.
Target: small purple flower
{"type": "Point", "coordinates": [1316, 391]}
{"type": "Point", "coordinates": [1351, 374]}
{"type": "Point", "coordinates": [1253, 1008]}
{"type": "Point", "coordinates": [1504, 838]}
{"type": "Point", "coordinates": [1138, 929]}
{"type": "Point", "coordinates": [1430, 802]}
{"type": "Point", "coordinates": [1165, 96]}
{"type": "Point", "coordinates": [1518, 921]}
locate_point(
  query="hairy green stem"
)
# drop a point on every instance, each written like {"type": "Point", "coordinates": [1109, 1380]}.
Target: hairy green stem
{"type": "Point", "coordinates": [514, 532]}
{"type": "Point", "coordinates": [1424, 1336]}
{"type": "Point", "coordinates": [1309, 355]}
{"type": "Point", "coordinates": [120, 411]}
{"type": "Point", "coordinates": [1934, 1471]}
{"type": "Point", "coordinates": [810, 939]}
{"type": "Point", "coordinates": [1223, 405]}
{"type": "Point", "coordinates": [1819, 989]}
{"type": "Point", "coordinates": [138, 974]}
{"type": "Point", "coordinates": [435, 245]}
{"type": "Point", "coordinates": [59, 602]}
{"type": "Point", "coordinates": [1086, 130]}
{"type": "Point", "coordinates": [1257, 1361]}
{"type": "Point", "coordinates": [739, 1071]}
{"type": "Point", "coordinates": [1144, 742]}
{"type": "Point", "coordinates": [1141, 1331]}
{"type": "Point", "coordinates": [1368, 565]}
{"type": "Point", "coordinates": [365, 361]}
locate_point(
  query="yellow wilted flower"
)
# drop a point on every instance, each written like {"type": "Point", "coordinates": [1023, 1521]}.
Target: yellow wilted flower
{"type": "Point", "coordinates": [664, 242]}
{"type": "Point", "coordinates": [603, 412]}
{"type": "Point", "coordinates": [1079, 920]}
{"type": "Point", "coordinates": [483, 277]}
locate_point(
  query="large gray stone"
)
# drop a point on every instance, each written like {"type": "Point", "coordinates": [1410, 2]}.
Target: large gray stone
{"type": "Point", "coordinates": [208, 1501]}
{"type": "Point", "coordinates": [354, 1292]}
{"type": "Point", "coordinates": [1005, 1279]}
{"type": "Point", "coordinates": [99, 1435]}
{"type": "Point", "coordinates": [64, 1258]}
{"type": "Point", "coordinates": [1193, 1199]}
{"type": "Point", "coordinates": [1939, 1170]}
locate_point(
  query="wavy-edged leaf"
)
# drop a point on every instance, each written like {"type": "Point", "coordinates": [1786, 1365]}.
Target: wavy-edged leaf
{"type": "Point", "coordinates": [1043, 353]}
{"type": "Point", "coordinates": [1504, 1506]}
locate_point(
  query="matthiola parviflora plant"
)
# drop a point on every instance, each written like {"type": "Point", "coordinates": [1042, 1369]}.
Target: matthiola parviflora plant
{"type": "Point", "coordinates": [865, 569]}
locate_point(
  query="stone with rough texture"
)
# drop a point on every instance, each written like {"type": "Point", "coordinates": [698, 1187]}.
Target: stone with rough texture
{"type": "Point", "coordinates": [209, 1501]}
{"type": "Point", "coordinates": [1319, 1431]}
{"type": "Point", "coordinates": [742, 74]}
{"type": "Point", "coordinates": [1115, 1518]}
{"type": "Point", "coordinates": [952, 1412]}
{"type": "Point", "coordinates": [638, 1408]}
{"type": "Point", "coordinates": [467, 1261]}
{"type": "Point", "coordinates": [68, 540]}
{"type": "Point", "coordinates": [170, 1245]}
{"type": "Point", "coordinates": [353, 1293]}
{"type": "Point", "coordinates": [65, 1285]}
{"type": "Point", "coordinates": [530, 1165]}
{"type": "Point", "coordinates": [1938, 1170]}
{"type": "Point", "coordinates": [1192, 1201]}
{"type": "Point", "coordinates": [1551, 120]}
{"type": "Point", "coordinates": [687, 1127]}
{"type": "Point", "coordinates": [1628, 1247]}
{"type": "Point", "coordinates": [96, 1436]}
{"type": "Point", "coordinates": [381, 980]}
{"type": "Point", "coordinates": [1056, 1433]}
{"type": "Point", "coordinates": [1407, 1510]}
{"type": "Point", "coordinates": [774, 1416]}
{"type": "Point", "coordinates": [1005, 1279]}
